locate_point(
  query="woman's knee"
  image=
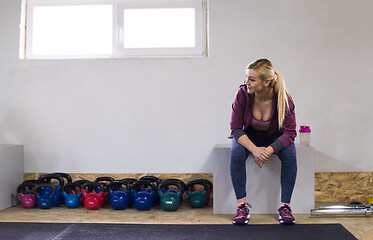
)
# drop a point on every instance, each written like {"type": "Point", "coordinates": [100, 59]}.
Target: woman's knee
{"type": "Point", "coordinates": [238, 149]}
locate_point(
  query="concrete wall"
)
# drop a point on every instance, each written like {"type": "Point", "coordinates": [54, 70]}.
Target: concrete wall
{"type": "Point", "coordinates": [167, 114]}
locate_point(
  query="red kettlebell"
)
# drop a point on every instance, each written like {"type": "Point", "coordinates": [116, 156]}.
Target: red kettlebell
{"type": "Point", "coordinates": [209, 183]}
{"type": "Point", "coordinates": [105, 181]}
{"type": "Point", "coordinates": [28, 199]}
{"type": "Point", "coordinates": [92, 201]}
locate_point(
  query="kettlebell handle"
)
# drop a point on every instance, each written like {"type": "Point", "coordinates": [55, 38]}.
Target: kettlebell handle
{"type": "Point", "coordinates": [70, 186]}
{"type": "Point", "coordinates": [65, 175]}
{"type": "Point", "coordinates": [167, 183]}
{"type": "Point", "coordinates": [191, 184]}
{"type": "Point", "coordinates": [119, 183]}
{"type": "Point", "coordinates": [143, 183]}
{"type": "Point", "coordinates": [152, 179]}
{"type": "Point", "coordinates": [45, 185]}
{"type": "Point", "coordinates": [49, 177]}
{"type": "Point", "coordinates": [91, 185]}
{"type": "Point", "coordinates": [103, 179]}
{"type": "Point", "coordinates": [22, 186]}
{"type": "Point", "coordinates": [209, 183]}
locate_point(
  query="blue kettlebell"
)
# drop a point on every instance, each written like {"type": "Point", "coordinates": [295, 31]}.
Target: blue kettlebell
{"type": "Point", "coordinates": [118, 196]}
{"type": "Point", "coordinates": [197, 199]}
{"type": "Point", "coordinates": [170, 200]}
{"type": "Point", "coordinates": [142, 198]}
{"type": "Point", "coordinates": [72, 200]}
{"type": "Point", "coordinates": [57, 199]}
{"type": "Point", "coordinates": [131, 181]}
{"type": "Point", "coordinates": [156, 181]}
{"type": "Point", "coordinates": [44, 200]}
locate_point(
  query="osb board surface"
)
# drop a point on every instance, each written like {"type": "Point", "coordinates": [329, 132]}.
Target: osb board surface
{"type": "Point", "coordinates": [343, 187]}
{"type": "Point", "coordinates": [185, 177]}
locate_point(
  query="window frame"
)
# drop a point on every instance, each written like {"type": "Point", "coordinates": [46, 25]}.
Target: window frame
{"type": "Point", "coordinates": [118, 50]}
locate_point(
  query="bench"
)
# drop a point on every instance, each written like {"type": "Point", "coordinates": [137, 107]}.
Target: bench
{"type": "Point", "coordinates": [263, 184]}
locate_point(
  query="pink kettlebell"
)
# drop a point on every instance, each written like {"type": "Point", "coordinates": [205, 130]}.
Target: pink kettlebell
{"type": "Point", "coordinates": [28, 199]}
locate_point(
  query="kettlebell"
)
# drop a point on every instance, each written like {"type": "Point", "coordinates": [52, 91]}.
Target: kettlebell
{"type": "Point", "coordinates": [209, 183]}
{"type": "Point", "coordinates": [156, 181]}
{"type": "Point", "coordinates": [27, 197]}
{"type": "Point", "coordinates": [118, 196]}
{"type": "Point", "coordinates": [105, 181]}
{"type": "Point", "coordinates": [92, 201]}
{"type": "Point", "coordinates": [170, 200]}
{"type": "Point", "coordinates": [175, 191]}
{"type": "Point", "coordinates": [197, 199]}
{"type": "Point", "coordinates": [143, 199]}
{"type": "Point", "coordinates": [72, 199]}
{"type": "Point", "coordinates": [57, 199]}
{"type": "Point", "coordinates": [131, 181]}
{"type": "Point", "coordinates": [45, 198]}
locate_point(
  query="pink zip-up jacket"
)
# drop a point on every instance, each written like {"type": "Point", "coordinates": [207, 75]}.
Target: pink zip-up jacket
{"type": "Point", "coordinates": [242, 115]}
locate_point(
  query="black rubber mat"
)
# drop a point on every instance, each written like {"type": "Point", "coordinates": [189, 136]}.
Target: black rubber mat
{"type": "Point", "coordinates": [40, 231]}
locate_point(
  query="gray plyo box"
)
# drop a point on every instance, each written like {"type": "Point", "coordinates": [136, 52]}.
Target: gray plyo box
{"type": "Point", "coordinates": [11, 173]}
{"type": "Point", "coordinates": [263, 184]}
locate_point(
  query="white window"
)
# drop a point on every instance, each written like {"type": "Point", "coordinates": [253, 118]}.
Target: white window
{"type": "Point", "coordinates": [113, 28]}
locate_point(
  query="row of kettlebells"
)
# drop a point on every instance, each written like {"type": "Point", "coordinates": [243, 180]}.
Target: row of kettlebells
{"type": "Point", "coordinates": [144, 193]}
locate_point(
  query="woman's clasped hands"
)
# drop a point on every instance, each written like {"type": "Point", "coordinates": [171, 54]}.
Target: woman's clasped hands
{"type": "Point", "coordinates": [262, 155]}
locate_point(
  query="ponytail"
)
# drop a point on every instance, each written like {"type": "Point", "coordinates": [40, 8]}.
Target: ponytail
{"type": "Point", "coordinates": [282, 99]}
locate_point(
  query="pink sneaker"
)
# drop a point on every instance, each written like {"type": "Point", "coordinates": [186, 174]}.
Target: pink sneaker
{"type": "Point", "coordinates": [285, 215]}
{"type": "Point", "coordinates": [243, 214]}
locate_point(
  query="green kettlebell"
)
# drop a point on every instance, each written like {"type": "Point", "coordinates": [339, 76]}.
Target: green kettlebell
{"type": "Point", "coordinates": [197, 199]}
{"type": "Point", "coordinates": [170, 200]}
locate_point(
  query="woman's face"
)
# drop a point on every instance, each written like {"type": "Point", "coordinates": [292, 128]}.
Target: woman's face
{"type": "Point", "coordinates": [253, 82]}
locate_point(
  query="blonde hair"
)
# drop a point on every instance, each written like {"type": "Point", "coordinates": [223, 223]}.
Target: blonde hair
{"type": "Point", "coordinates": [266, 71]}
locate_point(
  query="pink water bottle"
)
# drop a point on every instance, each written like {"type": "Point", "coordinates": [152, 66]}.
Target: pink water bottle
{"type": "Point", "coordinates": [305, 135]}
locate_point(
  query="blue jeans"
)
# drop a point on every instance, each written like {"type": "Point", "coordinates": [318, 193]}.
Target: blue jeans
{"type": "Point", "coordinates": [288, 158]}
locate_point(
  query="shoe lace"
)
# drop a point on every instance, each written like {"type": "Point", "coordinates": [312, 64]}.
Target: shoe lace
{"type": "Point", "coordinates": [286, 210]}
{"type": "Point", "coordinates": [240, 211]}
